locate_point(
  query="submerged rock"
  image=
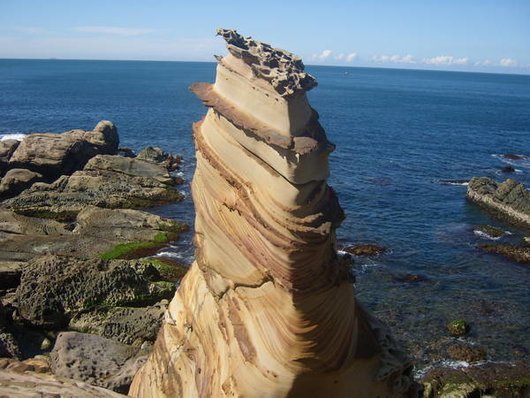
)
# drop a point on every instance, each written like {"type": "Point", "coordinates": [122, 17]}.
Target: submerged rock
{"type": "Point", "coordinates": [365, 249]}
{"type": "Point", "coordinates": [267, 308]}
{"type": "Point", "coordinates": [520, 254]}
{"type": "Point", "coordinates": [509, 199]}
{"type": "Point", "coordinates": [458, 328]}
{"type": "Point", "coordinates": [466, 352]}
{"type": "Point", "coordinates": [490, 231]}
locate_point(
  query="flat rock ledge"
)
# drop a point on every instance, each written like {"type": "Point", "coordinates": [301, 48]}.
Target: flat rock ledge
{"type": "Point", "coordinates": [509, 200]}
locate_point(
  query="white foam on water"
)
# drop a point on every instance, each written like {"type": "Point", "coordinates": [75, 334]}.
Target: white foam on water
{"type": "Point", "coordinates": [13, 136]}
{"type": "Point", "coordinates": [484, 235]}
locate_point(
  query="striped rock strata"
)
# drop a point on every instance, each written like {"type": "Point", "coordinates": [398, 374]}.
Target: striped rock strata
{"type": "Point", "coordinates": [267, 309]}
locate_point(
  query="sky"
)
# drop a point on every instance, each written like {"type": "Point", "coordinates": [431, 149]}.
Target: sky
{"type": "Point", "coordinates": [464, 35]}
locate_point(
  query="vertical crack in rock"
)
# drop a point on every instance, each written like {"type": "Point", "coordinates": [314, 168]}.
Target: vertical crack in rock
{"type": "Point", "coordinates": [267, 308]}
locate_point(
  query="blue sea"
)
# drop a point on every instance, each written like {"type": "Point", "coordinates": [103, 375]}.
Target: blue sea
{"type": "Point", "coordinates": [400, 135]}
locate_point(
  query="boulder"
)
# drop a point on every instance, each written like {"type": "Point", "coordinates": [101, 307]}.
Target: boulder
{"type": "Point", "coordinates": [365, 249]}
{"type": "Point", "coordinates": [158, 156]}
{"type": "Point", "coordinates": [53, 154]}
{"type": "Point", "coordinates": [510, 200]}
{"type": "Point", "coordinates": [53, 289]}
{"type": "Point", "coordinates": [127, 325]}
{"type": "Point", "coordinates": [517, 253]}
{"type": "Point", "coordinates": [98, 361]}
{"type": "Point", "coordinates": [106, 181]}
{"type": "Point", "coordinates": [7, 147]}
{"type": "Point", "coordinates": [17, 180]}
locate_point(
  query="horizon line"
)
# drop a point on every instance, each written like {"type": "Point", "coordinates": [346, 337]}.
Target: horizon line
{"type": "Point", "coordinates": [513, 73]}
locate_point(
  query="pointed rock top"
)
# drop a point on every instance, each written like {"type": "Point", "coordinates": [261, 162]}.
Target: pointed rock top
{"type": "Point", "coordinates": [282, 69]}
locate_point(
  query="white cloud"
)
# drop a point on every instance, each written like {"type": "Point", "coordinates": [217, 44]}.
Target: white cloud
{"type": "Point", "coordinates": [485, 62]}
{"type": "Point", "coordinates": [325, 54]}
{"type": "Point", "coordinates": [113, 30]}
{"type": "Point", "coordinates": [446, 60]}
{"type": "Point", "coordinates": [31, 30]}
{"type": "Point", "coordinates": [346, 57]}
{"type": "Point", "coordinates": [395, 59]}
{"type": "Point", "coordinates": [508, 62]}
{"type": "Point", "coordinates": [351, 57]}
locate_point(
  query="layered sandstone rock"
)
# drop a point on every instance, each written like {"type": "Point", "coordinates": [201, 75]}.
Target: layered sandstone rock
{"type": "Point", "coordinates": [267, 308]}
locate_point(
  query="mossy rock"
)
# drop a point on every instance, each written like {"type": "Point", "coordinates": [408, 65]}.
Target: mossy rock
{"type": "Point", "coordinates": [458, 328]}
{"type": "Point", "coordinates": [169, 270]}
{"type": "Point", "coordinates": [490, 230]}
{"type": "Point", "coordinates": [134, 250]}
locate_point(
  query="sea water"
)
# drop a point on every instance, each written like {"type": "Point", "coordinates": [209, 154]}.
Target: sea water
{"type": "Point", "coordinates": [407, 143]}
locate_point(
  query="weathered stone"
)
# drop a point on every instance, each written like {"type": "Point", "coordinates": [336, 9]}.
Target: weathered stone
{"type": "Point", "coordinates": [466, 352]}
{"type": "Point", "coordinates": [55, 154]}
{"type": "Point", "coordinates": [99, 361]}
{"type": "Point", "coordinates": [510, 200]}
{"type": "Point", "coordinates": [158, 156]}
{"type": "Point", "coordinates": [7, 147]}
{"type": "Point", "coordinates": [458, 328]}
{"type": "Point", "coordinates": [365, 249]}
{"type": "Point", "coordinates": [17, 180]}
{"type": "Point", "coordinates": [27, 384]}
{"type": "Point", "coordinates": [54, 288]}
{"type": "Point", "coordinates": [517, 253]}
{"type": "Point", "coordinates": [10, 272]}
{"type": "Point", "coordinates": [106, 181]}
{"type": "Point", "coordinates": [267, 308]}
{"type": "Point", "coordinates": [127, 325]}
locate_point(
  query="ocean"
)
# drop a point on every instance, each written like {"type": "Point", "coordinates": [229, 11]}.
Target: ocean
{"type": "Point", "coordinates": [400, 136]}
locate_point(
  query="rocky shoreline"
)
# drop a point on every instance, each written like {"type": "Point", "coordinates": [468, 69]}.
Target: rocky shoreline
{"type": "Point", "coordinates": [81, 296]}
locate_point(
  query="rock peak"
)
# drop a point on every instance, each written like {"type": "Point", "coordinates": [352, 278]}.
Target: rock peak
{"type": "Point", "coordinates": [282, 69]}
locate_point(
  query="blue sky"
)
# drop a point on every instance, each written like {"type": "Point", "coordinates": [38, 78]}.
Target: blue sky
{"type": "Point", "coordinates": [472, 35]}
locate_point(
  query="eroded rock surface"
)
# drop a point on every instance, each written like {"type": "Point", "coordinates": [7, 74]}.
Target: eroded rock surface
{"type": "Point", "coordinates": [54, 288]}
{"type": "Point", "coordinates": [53, 155]}
{"type": "Point", "coordinates": [106, 181]}
{"type": "Point", "coordinates": [267, 308]}
{"type": "Point", "coordinates": [510, 199]}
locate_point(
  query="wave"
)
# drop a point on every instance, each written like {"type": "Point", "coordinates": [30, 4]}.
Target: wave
{"type": "Point", "coordinates": [484, 235]}
{"type": "Point", "coordinates": [12, 136]}
{"type": "Point", "coordinates": [463, 183]}
{"type": "Point", "coordinates": [520, 161]}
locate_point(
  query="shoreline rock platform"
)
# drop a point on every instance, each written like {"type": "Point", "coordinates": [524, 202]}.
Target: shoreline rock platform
{"type": "Point", "coordinates": [75, 251]}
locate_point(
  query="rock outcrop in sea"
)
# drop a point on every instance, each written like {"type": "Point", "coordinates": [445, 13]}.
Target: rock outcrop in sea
{"type": "Point", "coordinates": [510, 199]}
{"type": "Point", "coordinates": [267, 308]}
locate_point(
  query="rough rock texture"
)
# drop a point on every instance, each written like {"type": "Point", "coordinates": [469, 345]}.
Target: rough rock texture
{"type": "Point", "coordinates": [99, 361]}
{"type": "Point", "coordinates": [488, 380]}
{"type": "Point", "coordinates": [158, 156]}
{"type": "Point", "coordinates": [127, 325]}
{"type": "Point", "coordinates": [94, 231]}
{"type": "Point", "coordinates": [106, 181]}
{"type": "Point", "coordinates": [7, 147]}
{"type": "Point", "coordinates": [508, 199]}
{"type": "Point", "coordinates": [517, 253]}
{"type": "Point", "coordinates": [55, 154]}
{"type": "Point", "coordinates": [54, 288]}
{"type": "Point", "coordinates": [16, 180]}
{"type": "Point", "coordinates": [28, 382]}
{"type": "Point", "coordinates": [267, 308]}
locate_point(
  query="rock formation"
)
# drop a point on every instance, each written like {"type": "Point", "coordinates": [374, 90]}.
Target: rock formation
{"type": "Point", "coordinates": [267, 308]}
{"type": "Point", "coordinates": [510, 199]}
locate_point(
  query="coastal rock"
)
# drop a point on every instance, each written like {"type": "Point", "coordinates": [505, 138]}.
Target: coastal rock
{"type": "Point", "coordinates": [99, 361]}
{"type": "Point", "coordinates": [158, 156]}
{"type": "Point", "coordinates": [267, 308]}
{"type": "Point", "coordinates": [458, 328]}
{"type": "Point", "coordinates": [490, 379]}
{"type": "Point", "coordinates": [53, 154]}
{"type": "Point", "coordinates": [55, 288]}
{"type": "Point", "coordinates": [509, 199]}
{"type": "Point", "coordinates": [10, 272]}
{"type": "Point", "coordinates": [93, 232]}
{"type": "Point", "coordinates": [7, 147]}
{"type": "Point", "coordinates": [466, 352]}
{"type": "Point", "coordinates": [8, 344]}
{"type": "Point", "coordinates": [28, 384]}
{"type": "Point", "coordinates": [517, 253]}
{"type": "Point", "coordinates": [365, 249]}
{"type": "Point", "coordinates": [17, 180]}
{"type": "Point", "coordinates": [127, 325]}
{"type": "Point", "coordinates": [489, 231]}
{"type": "Point", "coordinates": [106, 181]}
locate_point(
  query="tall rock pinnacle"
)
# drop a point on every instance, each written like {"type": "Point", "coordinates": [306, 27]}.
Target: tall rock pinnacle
{"type": "Point", "coordinates": [268, 308]}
